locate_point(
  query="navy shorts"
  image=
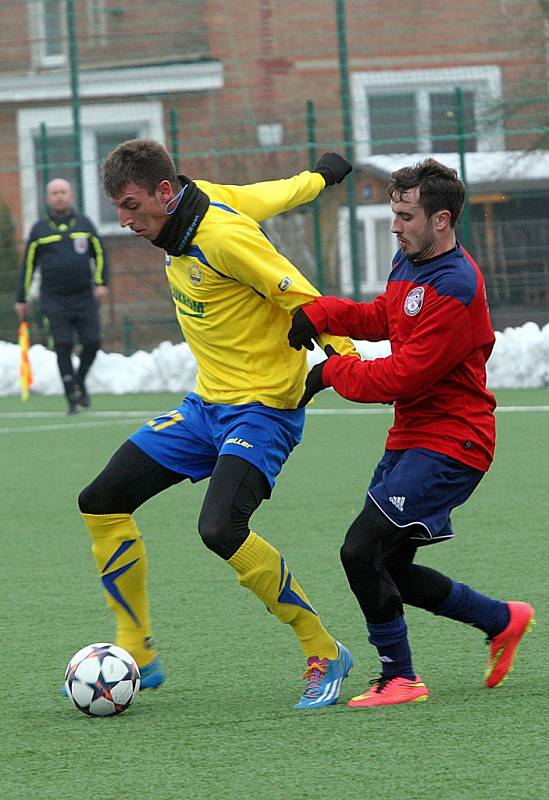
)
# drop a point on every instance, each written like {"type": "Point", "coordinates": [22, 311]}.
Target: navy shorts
{"type": "Point", "coordinates": [418, 489]}
{"type": "Point", "coordinates": [190, 438]}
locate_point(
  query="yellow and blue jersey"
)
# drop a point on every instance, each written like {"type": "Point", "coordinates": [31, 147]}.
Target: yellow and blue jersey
{"type": "Point", "coordinates": [234, 295]}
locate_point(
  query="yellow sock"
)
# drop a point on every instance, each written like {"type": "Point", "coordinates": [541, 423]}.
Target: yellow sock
{"type": "Point", "coordinates": [261, 568]}
{"type": "Point", "coordinates": [121, 560]}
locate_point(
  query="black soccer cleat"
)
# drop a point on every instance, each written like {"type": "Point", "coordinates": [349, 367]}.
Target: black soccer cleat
{"type": "Point", "coordinates": [72, 407]}
{"type": "Point", "coordinates": [82, 397]}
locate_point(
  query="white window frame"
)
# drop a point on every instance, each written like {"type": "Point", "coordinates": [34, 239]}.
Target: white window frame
{"type": "Point", "coordinates": [36, 12]}
{"type": "Point", "coordinates": [370, 282]}
{"type": "Point", "coordinates": [484, 82]}
{"type": "Point", "coordinates": [96, 11]}
{"type": "Point", "coordinates": [146, 116]}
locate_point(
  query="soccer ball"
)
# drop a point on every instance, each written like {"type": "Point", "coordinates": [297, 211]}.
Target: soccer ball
{"type": "Point", "coordinates": [102, 679]}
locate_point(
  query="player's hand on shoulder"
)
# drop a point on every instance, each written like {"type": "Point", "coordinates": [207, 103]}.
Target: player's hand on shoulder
{"type": "Point", "coordinates": [333, 168]}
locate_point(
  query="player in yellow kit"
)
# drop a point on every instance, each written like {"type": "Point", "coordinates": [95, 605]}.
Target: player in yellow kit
{"type": "Point", "coordinates": [234, 295]}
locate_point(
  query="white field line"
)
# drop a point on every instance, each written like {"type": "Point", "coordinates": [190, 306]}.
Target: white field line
{"type": "Point", "coordinates": [63, 414]}
{"type": "Point", "coordinates": [389, 410]}
{"type": "Point", "coordinates": [107, 418]}
{"type": "Point", "coordinates": [67, 426]}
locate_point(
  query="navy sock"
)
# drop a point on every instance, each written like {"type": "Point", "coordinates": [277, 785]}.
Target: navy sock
{"type": "Point", "coordinates": [391, 641]}
{"type": "Point", "coordinates": [466, 605]}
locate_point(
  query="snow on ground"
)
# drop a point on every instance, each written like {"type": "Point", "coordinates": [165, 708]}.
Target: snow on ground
{"type": "Point", "coordinates": [520, 359]}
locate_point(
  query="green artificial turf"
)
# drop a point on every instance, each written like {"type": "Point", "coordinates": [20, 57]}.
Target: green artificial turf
{"type": "Point", "coordinates": [223, 725]}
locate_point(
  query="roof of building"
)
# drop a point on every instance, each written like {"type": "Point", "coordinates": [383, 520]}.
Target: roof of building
{"type": "Point", "coordinates": [505, 170]}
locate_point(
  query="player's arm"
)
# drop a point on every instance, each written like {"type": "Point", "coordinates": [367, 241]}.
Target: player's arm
{"type": "Point", "coordinates": [101, 273]}
{"type": "Point", "coordinates": [439, 342]}
{"type": "Point", "coordinates": [340, 317]}
{"type": "Point", "coordinates": [269, 198]}
{"type": "Point", "coordinates": [28, 266]}
{"type": "Point", "coordinates": [249, 257]}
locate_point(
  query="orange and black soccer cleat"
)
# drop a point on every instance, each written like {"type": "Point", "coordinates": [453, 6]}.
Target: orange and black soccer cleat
{"type": "Point", "coordinates": [503, 646]}
{"type": "Point", "coordinates": [390, 691]}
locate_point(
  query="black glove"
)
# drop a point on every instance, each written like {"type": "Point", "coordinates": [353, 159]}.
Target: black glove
{"type": "Point", "coordinates": [314, 383]}
{"type": "Point", "coordinates": [333, 168]}
{"type": "Point", "coordinates": [303, 332]}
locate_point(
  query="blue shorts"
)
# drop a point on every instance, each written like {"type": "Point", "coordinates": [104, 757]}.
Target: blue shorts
{"type": "Point", "coordinates": [190, 438]}
{"type": "Point", "coordinates": [418, 489]}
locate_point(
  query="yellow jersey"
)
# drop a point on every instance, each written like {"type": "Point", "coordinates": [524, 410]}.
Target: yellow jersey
{"type": "Point", "coordinates": [234, 296]}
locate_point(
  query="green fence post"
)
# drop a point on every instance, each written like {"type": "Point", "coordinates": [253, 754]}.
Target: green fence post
{"type": "Point", "coordinates": [75, 95]}
{"type": "Point", "coordinates": [174, 136]}
{"type": "Point", "coordinates": [127, 344]}
{"type": "Point", "coordinates": [44, 153]}
{"type": "Point", "coordinates": [311, 138]}
{"type": "Point", "coordinates": [460, 129]}
{"type": "Point", "coordinates": [350, 181]}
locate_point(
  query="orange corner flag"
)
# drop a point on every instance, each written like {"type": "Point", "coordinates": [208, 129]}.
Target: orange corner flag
{"type": "Point", "coordinates": [25, 371]}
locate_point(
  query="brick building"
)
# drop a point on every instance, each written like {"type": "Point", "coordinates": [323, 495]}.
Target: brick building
{"type": "Point", "coordinates": [225, 84]}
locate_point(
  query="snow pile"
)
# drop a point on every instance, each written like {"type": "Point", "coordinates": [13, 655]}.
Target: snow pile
{"type": "Point", "coordinates": [520, 359]}
{"type": "Point", "coordinates": [169, 368]}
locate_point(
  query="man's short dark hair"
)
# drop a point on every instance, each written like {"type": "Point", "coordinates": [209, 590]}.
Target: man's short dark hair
{"type": "Point", "coordinates": [439, 187]}
{"type": "Point", "coordinates": [144, 162]}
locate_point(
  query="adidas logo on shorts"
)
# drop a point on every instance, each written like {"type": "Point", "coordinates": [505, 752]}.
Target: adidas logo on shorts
{"type": "Point", "coordinates": [398, 502]}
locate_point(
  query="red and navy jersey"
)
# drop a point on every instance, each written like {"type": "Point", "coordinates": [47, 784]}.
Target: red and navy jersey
{"type": "Point", "coordinates": [436, 317]}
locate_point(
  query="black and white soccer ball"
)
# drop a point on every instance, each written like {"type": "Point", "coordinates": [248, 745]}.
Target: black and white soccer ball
{"type": "Point", "coordinates": [102, 679]}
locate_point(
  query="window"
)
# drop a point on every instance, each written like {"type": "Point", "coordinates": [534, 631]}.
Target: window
{"type": "Point", "coordinates": [51, 30]}
{"type": "Point", "coordinates": [414, 111]}
{"type": "Point", "coordinates": [97, 23]}
{"type": "Point", "coordinates": [270, 134]}
{"type": "Point", "coordinates": [442, 121]}
{"type": "Point", "coordinates": [54, 157]}
{"type": "Point", "coordinates": [46, 151]}
{"type": "Point", "coordinates": [376, 247]}
{"type": "Point", "coordinates": [104, 143]}
{"type": "Point", "coordinates": [393, 123]}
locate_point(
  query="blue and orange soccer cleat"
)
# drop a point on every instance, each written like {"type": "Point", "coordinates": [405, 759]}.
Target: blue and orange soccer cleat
{"type": "Point", "coordinates": [324, 677]}
{"type": "Point", "coordinates": [153, 675]}
{"type": "Point", "coordinates": [503, 646]}
{"type": "Point", "coordinates": [390, 692]}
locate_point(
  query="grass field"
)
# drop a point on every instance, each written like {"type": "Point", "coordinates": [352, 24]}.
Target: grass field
{"type": "Point", "coordinates": [223, 726]}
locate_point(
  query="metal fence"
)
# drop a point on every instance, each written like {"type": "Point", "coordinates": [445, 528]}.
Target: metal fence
{"type": "Point", "coordinates": [248, 90]}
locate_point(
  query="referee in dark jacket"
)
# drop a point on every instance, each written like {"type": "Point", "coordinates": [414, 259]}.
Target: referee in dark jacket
{"type": "Point", "coordinates": [62, 245]}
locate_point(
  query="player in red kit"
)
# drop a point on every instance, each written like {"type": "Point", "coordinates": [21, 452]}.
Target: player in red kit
{"type": "Point", "coordinates": [435, 315]}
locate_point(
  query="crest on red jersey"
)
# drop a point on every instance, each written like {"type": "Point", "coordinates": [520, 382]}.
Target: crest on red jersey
{"type": "Point", "coordinates": [414, 301]}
